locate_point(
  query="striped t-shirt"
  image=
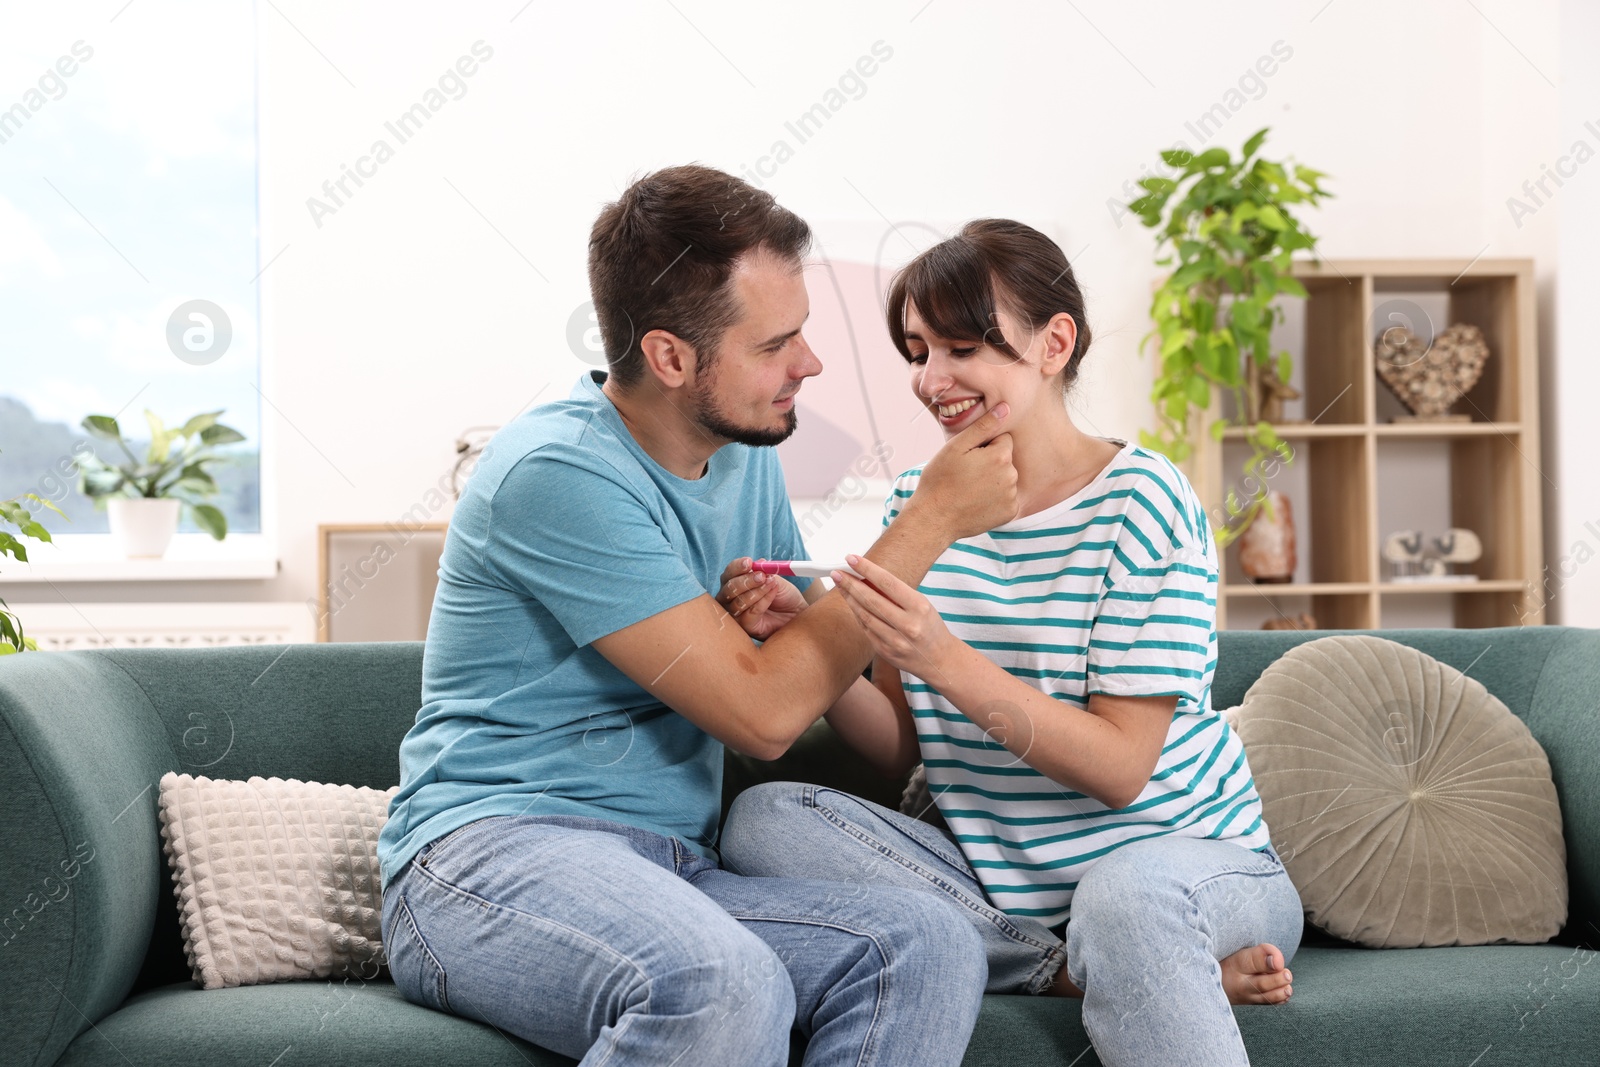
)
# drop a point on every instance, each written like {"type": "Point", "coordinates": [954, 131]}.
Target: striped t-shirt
{"type": "Point", "coordinates": [1113, 590]}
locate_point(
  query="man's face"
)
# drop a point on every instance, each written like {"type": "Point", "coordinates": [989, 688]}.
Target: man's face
{"type": "Point", "coordinates": [745, 391]}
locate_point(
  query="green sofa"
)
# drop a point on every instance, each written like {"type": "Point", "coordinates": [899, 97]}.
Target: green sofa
{"type": "Point", "coordinates": [92, 948]}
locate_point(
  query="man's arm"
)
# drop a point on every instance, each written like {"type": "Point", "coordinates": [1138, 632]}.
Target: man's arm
{"type": "Point", "coordinates": [695, 659]}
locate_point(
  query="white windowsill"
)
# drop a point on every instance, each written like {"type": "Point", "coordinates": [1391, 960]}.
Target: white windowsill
{"type": "Point", "coordinates": [191, 557]}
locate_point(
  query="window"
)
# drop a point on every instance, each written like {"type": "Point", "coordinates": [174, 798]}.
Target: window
{"type": "Point", "coordinates": [127, 193]}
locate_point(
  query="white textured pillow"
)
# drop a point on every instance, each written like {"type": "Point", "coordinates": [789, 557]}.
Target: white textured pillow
{"type": "Point", "coordinates": [276, 880]}
{"type": "Point", "coordinates": [1411, 807]}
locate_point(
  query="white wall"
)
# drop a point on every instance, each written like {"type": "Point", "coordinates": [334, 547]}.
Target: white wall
{"type": "Point", "coordinates": [1573, 542]}
{"type": "Point", "coordinates": [407, 315]}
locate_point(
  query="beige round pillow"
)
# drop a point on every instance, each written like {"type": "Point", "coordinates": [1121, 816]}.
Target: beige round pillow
{"type": "Point", "coordinates": [1409, 805]}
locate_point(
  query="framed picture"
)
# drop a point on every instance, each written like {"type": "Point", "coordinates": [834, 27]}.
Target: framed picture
{"type": "Point", "coordinates": [375, 582]}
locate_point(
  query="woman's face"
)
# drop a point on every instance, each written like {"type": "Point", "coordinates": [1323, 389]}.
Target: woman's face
{"type": "Point", "coordinates": [958, 380]}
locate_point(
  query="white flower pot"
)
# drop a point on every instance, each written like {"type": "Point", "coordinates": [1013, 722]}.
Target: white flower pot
{"type": "Point", "coordinates": [144, 527]}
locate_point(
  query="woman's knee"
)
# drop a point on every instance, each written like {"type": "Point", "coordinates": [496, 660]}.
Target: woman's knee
{"type": "Point", "coordinates": [921, 930]}
{"type": "Point", "coordinates": [732, 978]}
{"type": "Point", "coordinates": [1123, 886]}
{"type": "Point", "coordinates": [758, 836]}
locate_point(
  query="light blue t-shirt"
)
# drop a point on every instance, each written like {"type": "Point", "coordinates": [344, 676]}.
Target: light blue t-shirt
{"type": "Point", "coordinates": [566, 532]}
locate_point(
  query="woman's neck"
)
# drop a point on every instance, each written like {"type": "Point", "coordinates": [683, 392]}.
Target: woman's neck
{"type": "Point", "coordinates": [1054, 459]}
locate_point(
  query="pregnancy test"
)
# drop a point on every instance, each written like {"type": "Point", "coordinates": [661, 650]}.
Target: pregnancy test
{"type": "Point", "coordinates": [801, 568]}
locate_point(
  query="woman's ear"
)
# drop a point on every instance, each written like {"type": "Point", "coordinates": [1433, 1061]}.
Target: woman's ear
{"type": "Point", "coordinates": [1060, 338]}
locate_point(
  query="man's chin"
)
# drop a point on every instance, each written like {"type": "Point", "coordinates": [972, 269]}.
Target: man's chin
{"type": "Point", "coordinates": [754, 436]}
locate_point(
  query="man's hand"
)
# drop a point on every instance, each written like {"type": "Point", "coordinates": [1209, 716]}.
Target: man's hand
{"type": "Point", "coordinates": [970, 486]}
{"type": "Point", "coordinates": [761, 603]}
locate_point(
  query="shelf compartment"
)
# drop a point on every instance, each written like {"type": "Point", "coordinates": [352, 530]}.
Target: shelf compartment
{"type": "Point", "coordinates": [1467, 607]}
{"type": "Point", "coordinates": [1335, 367]}
{"type": "Point", "coordinates": [1490, 298]}
{"type": "Point", "coordinates": [1335, 605]}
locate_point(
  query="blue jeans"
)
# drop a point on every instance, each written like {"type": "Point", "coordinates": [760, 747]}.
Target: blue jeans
{"type": "Point", "coordinates": [1150, 921]}
{"type": "Point", "coordinates": [619, 946]}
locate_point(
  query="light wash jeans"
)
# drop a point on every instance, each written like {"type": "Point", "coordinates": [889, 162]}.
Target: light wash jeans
{"type": "Point", "coordinates": [621, 947]}
{"type": "Point", "coordinates": [1149, 920]}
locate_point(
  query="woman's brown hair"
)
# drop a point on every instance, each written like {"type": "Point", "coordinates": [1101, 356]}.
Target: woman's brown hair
{"type": "Point", "coordinates": [958, 284]}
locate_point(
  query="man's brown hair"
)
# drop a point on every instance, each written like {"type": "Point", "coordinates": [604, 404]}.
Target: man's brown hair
{"type": "Point", "coordinates": [662, 258]}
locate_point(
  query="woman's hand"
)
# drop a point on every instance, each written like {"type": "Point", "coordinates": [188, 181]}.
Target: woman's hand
{"type": "Point", "coordinates": [905, 629]}
{"type": "Point", "coordinates": [762, 603]}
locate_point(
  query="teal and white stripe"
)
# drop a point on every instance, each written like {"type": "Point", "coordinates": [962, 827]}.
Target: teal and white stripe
{"type": "Point", "coordinates": [1112, 591]}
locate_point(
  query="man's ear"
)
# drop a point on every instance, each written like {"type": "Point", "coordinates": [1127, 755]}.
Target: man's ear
{"type": "Point", "coordinates": [668, 357]}
{"type": "Point", "coordinates": [1060, 337]}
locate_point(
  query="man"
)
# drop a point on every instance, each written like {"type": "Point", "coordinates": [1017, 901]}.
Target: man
{"type": "Point", "coordinates": [549, 863]}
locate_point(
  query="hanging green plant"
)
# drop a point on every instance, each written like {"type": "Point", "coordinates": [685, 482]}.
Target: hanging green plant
{"type": "Point", "coordinates": [1225, 228]}
{"type": "Point", "coordinates": [15, 513]}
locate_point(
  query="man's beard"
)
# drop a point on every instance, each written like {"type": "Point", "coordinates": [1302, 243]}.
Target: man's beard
{"type": "Point", "coordinates": [702, 398]}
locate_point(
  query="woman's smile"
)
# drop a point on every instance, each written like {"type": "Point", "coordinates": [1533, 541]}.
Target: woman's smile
{"type": "Point", "coordinates": [956, 413]}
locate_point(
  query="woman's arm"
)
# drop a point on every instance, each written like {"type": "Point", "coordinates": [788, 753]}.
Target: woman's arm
{"type": "Point", "coordinates": [1108, 751]}
{"type": "Point", "coordinates": [874, 719]}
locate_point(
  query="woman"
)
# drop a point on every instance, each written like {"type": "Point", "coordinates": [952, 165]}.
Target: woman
{"type": "Point", "coordinates": [1054, 677]}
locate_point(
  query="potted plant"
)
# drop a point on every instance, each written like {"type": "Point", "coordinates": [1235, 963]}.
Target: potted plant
{"type": "Point", "coordinates": [15, 513]}
{"type": "Point", "coordinates": [144, 498]}
{"type": "Point", "coordinates": [1227, 229]}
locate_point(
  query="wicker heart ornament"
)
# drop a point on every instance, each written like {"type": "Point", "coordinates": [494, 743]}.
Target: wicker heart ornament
{"type": "Point", "coordinates": [1428, 380]}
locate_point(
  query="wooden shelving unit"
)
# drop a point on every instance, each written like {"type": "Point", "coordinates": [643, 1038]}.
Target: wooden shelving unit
{"type": "Point", "coordinates": [1352, 464]}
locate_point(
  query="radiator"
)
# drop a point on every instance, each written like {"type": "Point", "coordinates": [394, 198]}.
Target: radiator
{"type": "Point", "coordinates": [63, 627]}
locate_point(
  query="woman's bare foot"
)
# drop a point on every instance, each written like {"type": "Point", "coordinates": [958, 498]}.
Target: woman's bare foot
{"type": "Point", "coordinates": [1256, 975]}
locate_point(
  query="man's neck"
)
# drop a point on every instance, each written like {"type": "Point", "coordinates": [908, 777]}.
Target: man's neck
{"type": "Point", "coordinates": [659, 422]}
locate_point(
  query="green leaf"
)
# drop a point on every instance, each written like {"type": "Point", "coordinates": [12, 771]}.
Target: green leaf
{"type": "Point", "coordinates": [102, 483]}
{"type": "Point", "coordinates": [1289, 284]}
{"type": "Point", "coordinates": [160, 440]}
{"type": "Point", "coordinates": [1212, 157]}
{"type": "Point", "coordinates": [1218, 428]}
{"type": "Point", "coordinates": [199, 422]}
{"type": "Point", "coordinates": [1199, 392]}
{"type": "Point", "coordinates": [1176, 342]}
{"type": "Point", "coordinates": [1285, 366]}
{"type": "Point", "coordinates": [1254, 143]}
{"type": "Point", "coordinates": [1158, 185]}
{"type": "Point", "coordinates": [210, 520]}
{"type": "Point", "coordinates": [194, 472]}
{"type": "Point", "coordinates": [220, 435]}
{"type": "Point", "coordinates": [104, 427]}
{"type": "Point", "coordinates": [1177, 157]}
{"type": "Point", "coordinates": [1272, 218]}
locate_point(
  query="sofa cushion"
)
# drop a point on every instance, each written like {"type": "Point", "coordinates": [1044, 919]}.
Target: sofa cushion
{"type": "Point", "coordinates": [1409, 805]}
{"type": "Point", "coordinates": [1422, 1007]}
{"type": "Point", "coordinates": [276, 880]}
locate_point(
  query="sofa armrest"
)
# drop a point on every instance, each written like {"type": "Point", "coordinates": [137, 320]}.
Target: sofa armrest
{"type": "Point", "coordinates": [1564, 716]}
{"type": "Point", "coordinates": [80, 750]}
